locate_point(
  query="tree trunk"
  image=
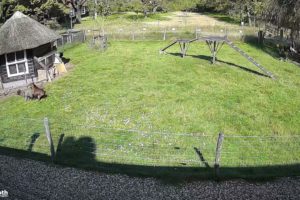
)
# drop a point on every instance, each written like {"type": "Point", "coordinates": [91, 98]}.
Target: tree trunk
{"type": "Point", "coordinates": [154, 9]}
{"type": "Point", "coordinates": [241, 14]}
{"type": "Point", "coordinates": [95, 9]}
{"type": "Point", "coordinates": [249, 16]}
{"type": "Point", "coordinates": [292, 35]}
{"type": "Point", "coordinates": [78, 14]}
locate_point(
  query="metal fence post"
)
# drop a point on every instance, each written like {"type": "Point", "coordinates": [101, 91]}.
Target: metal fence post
{"type": "Point", "coordinates": [218, 154]}
{"type": "Point", "coordinates": [49, 137]}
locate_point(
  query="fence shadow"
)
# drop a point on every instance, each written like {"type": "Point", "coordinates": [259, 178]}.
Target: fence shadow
{"type": "Point", "coordinates": [76, 153]}
{"type": "Point", "coordinates": [82, 153]}
{"type": "Point", "coordinates": [24, 154]}
{"type": "Point", "coordinates": [253, 41]}
{"type": "Point", "coordinates": [33, 139]}
{"type": "Point", "coordinates": [201, 157]}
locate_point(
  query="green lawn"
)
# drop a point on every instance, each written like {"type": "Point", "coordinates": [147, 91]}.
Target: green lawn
{"type": "Point", "coordinates": [131, 105]}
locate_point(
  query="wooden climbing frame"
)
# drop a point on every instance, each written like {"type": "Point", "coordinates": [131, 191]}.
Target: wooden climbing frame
{"type": "Point", "coordinates": [215, 43]}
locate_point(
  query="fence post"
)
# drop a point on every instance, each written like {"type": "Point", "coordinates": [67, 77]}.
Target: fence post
{"type": "Point", "coordinates": [83, 32]}
{"type": "Point", "coordinates": [1, 84]}
{"type": "Point", "coordinates": [165, 33]}
{"type": "Point", "coordinates": [25, 77]}
{"type": "Point", "coordinates": [49, 137]}
{"type": "Point", "coordinates": [218, 154]}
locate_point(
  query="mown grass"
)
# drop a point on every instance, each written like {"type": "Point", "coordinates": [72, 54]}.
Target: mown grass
{"type": "Point", "coordinates": [223, 17]}
{"type": "Point", "coordinates": [131, 87]}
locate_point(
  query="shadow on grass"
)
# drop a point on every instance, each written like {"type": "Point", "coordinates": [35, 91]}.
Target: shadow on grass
{"type": "Point", "coordinates": [33, 139]}
{"type": "Point", "coordinates": [271, 50]}
{"type": "Point", "coordinates": [208, 58]}
{"type": "Point", "coordinates": [201, 157]}
{"type": "Point", "coordinates": [274, 51]}
{"type": "Point", "coordinates": [222, 17]}
{"type": "Point", "coordinates": [81, 153]}
{"type": "Point", "coordinates": [154, 17]}
{"type": "Point", "coordinates": [244, 68]}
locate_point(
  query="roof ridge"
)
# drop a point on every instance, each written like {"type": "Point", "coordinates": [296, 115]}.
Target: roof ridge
{"type": "Point", "coordinates": [18, 14]}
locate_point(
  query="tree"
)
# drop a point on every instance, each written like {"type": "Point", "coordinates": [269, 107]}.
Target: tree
{"type": "Point", "coordinates": [6, 7]}
{"type": "Point", "coordinates": [77, 7]}
{"type": "Point", "coordinates": [284, 13]}
{"type": "Point", "coordinates": [34, 8]}
{"type": "Point", "coordinates": [151, 6]}
{"type": "Point", "coordinates": [135, 6]}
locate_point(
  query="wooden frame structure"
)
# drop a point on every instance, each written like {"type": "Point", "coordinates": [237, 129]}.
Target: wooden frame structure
{"type": "Point", "coordinates": [215, 43]}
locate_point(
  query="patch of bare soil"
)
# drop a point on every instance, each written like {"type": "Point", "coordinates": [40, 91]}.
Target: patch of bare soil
{"type": "Point", "coordinates": [189, 19]}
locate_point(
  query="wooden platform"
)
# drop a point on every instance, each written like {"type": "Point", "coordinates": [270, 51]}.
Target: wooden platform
{"type": "Point", "coordinates": [215, 44]}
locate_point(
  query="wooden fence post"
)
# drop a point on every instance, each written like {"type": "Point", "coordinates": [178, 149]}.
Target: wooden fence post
{"type": "Point", "coordinates": [1, 84]}
{"type": "Point", "coordinates": [165, 35]}
{"type": "Point", "coordinates": [49, 137]}
{"type": "Point", "coordinates": [260, 37]}
{"type": "Point", "coordinates": [25, 77]}
{"type": "Point", "coordinates": [84, 35]}
{"type": "Point", "coordinates": [218, 154]}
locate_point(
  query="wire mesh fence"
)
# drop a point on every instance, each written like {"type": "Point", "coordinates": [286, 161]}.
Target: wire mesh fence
{"type": "Point", "coordinates": [71, 36]}
{"type": "Point", "coordinates": [153, 34]}
{"type": "Point", "coordinates": [135, 147]}
{"type": "Point", "coordinates": [171, 33]}
{"type": "Point", "coordinates": [90, 145]}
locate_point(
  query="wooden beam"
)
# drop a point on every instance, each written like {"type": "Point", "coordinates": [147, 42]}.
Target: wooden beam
{"type": "Point", "coordinates": [44, 67]}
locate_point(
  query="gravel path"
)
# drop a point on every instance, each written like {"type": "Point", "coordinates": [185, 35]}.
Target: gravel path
{"type": "Point", "coordinates": [27, 179]}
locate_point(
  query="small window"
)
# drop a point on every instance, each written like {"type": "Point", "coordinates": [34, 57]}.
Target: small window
{"type": "Point", "coordinates": [12, 69]}
{"type": "Point", "coordinates": [11, 57]}
{"type": "Point", "coordinates": [2, 60]}
{"type": "Point", "coordinates": [16, 63]}
{"type": "Point", "coordinates": [21, 67]}
{"type": "Point", "coordinates": [20, 55]}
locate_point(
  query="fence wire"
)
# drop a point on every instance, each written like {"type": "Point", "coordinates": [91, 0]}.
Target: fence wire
{"type": "Point", "coordinates": [80, 143]}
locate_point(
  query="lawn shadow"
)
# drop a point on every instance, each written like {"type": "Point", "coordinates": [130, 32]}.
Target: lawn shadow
{"type": "Point", "coordinates": [271, 50]}
{"type": "Point", "coordinates": [202, 57]}
{"type": "Point", "coordinates": [201, 157]}
{"type": "Point", "coordinates": [76, 152]}
{"type": "Point", "coordinates": [222, 17]}
{"type": "Point", "coordinates": [33, 139]}
{"type": "Point", "coordinates": [243, 68]}
{"type": "Point", "coordinates": [175, 54]}
{"type": "Point", "coordinates": [209, 58]}
{"type": "Point", "coordinates": [81, 153]}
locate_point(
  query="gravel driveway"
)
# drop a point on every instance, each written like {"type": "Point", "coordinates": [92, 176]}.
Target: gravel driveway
{"type": "Point", "coordinates": [27, 179]}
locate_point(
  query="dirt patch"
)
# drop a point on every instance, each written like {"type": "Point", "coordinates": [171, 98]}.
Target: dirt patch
{"type": "Point", "coordinates": [189, 19]}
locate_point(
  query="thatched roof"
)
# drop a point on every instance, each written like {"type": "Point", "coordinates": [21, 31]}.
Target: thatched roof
{"type": "Point", "coordinates": [20, 32]}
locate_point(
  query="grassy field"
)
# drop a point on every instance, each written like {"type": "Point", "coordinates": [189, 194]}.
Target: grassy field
{"type": "Point", "coordinates": [121, 20]}
{"type": "Point", "coordinates": [121, 26]}
{"type": "Point", "coordinates": [130, 105]}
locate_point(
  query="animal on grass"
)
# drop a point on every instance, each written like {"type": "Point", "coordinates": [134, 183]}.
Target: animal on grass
{"type": "Point", "coordinates": [27, 94]}
{"type": "Point", "coordinates": [37, 92]}
{"type": "Point", "coordinates": [33, 92]}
